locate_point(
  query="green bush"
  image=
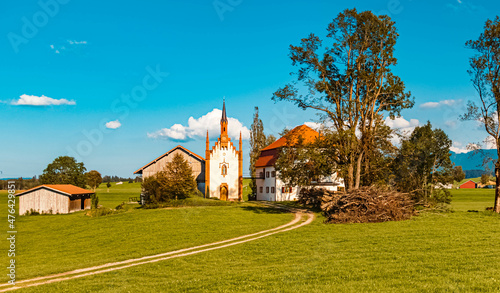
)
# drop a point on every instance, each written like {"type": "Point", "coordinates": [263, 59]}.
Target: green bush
{"type": "Point", "coordinates": [99, 212]}
{"type": "Point", "coordinates": [120, 206]}
{"type": "Point", "coordinates": [95, 201]}
{"type": "Point", "coordinates": [32, 212]}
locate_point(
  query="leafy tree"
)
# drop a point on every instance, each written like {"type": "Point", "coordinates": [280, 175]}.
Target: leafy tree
{"type": "Point", "coordinates": [94, 179]}
{"type": "Point", "coordinates": [350, 83]}
{"type": "Point", "coordinates": [378, 158]}
{"type": "Point", "coordinates": [485, 76]}
{"type": "Point", "coordinates": [423, 161]}
{"type": "Point", "coordinates": [485, 178]}
{"type": "Point", "coordinates": [64, 170]}
{"type": "Point", "coordinates": [174, 182]}
{"type": "Point", "coordinates": [458, 174]}
{"type": "Point", "coordinates": [108, 185]}
{"type": "Point", "coordinates": [301, 163]}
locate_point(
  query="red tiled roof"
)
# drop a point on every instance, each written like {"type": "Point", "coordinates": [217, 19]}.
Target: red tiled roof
{"type": "Point", "coordinates": [267, 158]}
{"type": "Point", "coordinates": [139, 171]}
{"type": "Point", "coordinates": [307, 133]}
{"type": "Point", "coordinates": [65, 188]}
{"type": "Point", "coordinates": [269, 154]}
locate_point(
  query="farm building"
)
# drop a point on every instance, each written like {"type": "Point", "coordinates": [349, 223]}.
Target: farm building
{"type": "Point", "coordinates": [468, 184]}
{"type": "Point", "coordinates": [490, 185]}
{"type": "Point", "coordinates": [196, 162]}
{"type": "Point", "coordinates": [53, 199]}
{"type": "Point", "coordinates": [269, 186]}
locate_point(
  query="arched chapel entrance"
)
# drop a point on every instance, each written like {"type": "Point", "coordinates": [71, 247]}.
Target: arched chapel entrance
{"type": "Point", "coordinates": [223, 191]}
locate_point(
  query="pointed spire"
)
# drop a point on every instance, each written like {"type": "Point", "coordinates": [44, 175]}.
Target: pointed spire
{"type": "Point", "coordinates": [208, 142]}
{"type": "Point", "coordinates": [224, 117]}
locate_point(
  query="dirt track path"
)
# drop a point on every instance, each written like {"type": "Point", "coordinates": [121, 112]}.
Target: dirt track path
{"type": "Point", "coordinates": [301, 218]}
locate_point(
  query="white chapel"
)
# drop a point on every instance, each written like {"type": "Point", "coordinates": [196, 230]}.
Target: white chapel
{"type": "Point", "coordinates": [224, 165]}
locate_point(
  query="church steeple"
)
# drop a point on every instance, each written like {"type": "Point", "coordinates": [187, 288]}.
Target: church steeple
{"type": "Point", "coordinates": [223, 120]}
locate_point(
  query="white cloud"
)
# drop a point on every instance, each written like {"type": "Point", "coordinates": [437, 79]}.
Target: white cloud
{"type": "Point", "coordinates": [197, 128]}
{"type": "Point", "coordinates": [435, 105]}
{"type": "Point", "coordinates": [70, 43]}
{"type": "Point", "coordinates": [451, 123]}
{"type": "Point", "coordinates": [28, 100]}
{"type": "Point", "coordinates": [313, 125]}
{"type": "Point", "coordinates": [458, 148]}
{"type": "Point", "coordinates": [113, 124]}
{"type": "Point", "coordinates": [401, 125]}
{"type": "Point", "coordinates": [317, 126]}
{"type": "Point", "coordinates": [77, 42]}
{"type": "Point", "coordinates": [489, 143]}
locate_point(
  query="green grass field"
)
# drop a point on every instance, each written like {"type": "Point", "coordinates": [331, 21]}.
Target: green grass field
{"type": "Point", "coordinates": [49, 244]}
{"type": "Point", "coordinates": [432, 252]}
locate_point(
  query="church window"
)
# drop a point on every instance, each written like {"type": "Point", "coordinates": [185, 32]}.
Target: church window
{"type": "Point", "coordinates": [224, 170]}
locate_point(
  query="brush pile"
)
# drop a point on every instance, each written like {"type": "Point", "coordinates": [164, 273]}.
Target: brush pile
{"type": "Point", "coordinates": [367, 205]}
{"type": "Point", "coordinates": [313, 196]}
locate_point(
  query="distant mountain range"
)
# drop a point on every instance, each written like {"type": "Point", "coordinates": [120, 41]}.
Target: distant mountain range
{"type": "Point", "coordinates": [472, 162]}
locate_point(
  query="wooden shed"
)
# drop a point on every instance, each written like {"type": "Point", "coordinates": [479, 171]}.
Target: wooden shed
{"type": "Point", "coordinates": [54, 198]}
{"type": "Point", "coordinates": [468, 184]}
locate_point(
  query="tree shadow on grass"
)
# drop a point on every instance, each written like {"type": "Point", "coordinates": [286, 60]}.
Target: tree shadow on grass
{"type": "Point", "coordinates": [265, 210]}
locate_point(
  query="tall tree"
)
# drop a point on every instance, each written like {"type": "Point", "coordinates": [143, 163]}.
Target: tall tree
{"type": "Point", "coordinates": [485, 178]}
{"type": "Point", "coordinates": [485, 76]}
{"type": "Point", "coordinates": [93, 179]}
{"type": "Point", "coordinates": [258, 141]}
{"type": "Point", "coordinates": [64, 170]}
{"type": "Point", "coordinates": [422, 162]}
{"type": "Point", "coordinates": [458, 174]}
{"type": "Point", "coordinates": [350, 83]}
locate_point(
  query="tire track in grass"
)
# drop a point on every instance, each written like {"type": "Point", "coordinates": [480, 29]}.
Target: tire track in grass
{"type": "Point", "coordinates": [109, 267]}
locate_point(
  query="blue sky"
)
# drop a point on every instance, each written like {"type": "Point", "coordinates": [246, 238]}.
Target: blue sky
{"type": "Point", "coordinates": [148, 67]}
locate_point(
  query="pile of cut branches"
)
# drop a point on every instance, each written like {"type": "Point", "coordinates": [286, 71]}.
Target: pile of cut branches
{"type": "Point", "coordinates": [313, 196]}
{"type": "Point", "coordinates": [367, 205]}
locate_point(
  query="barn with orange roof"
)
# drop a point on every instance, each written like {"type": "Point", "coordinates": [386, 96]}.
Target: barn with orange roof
{"type": "Point", "coordinates": [54, 199]}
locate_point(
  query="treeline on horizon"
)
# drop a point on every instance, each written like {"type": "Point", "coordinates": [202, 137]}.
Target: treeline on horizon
{"type": "Point", "coordinates": [27, 183]}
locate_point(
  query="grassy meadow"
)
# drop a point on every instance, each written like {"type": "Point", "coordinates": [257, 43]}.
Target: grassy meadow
{"type": "Point", "coordinates": [48, 244]}
{"type": "Point", "coordinates": [432, 252]}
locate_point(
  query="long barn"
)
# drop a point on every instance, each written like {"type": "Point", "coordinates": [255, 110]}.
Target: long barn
{"type": "Point", "coordinates": [196, 162]}
{"type": "Point", "coordinates": [54, 198]}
